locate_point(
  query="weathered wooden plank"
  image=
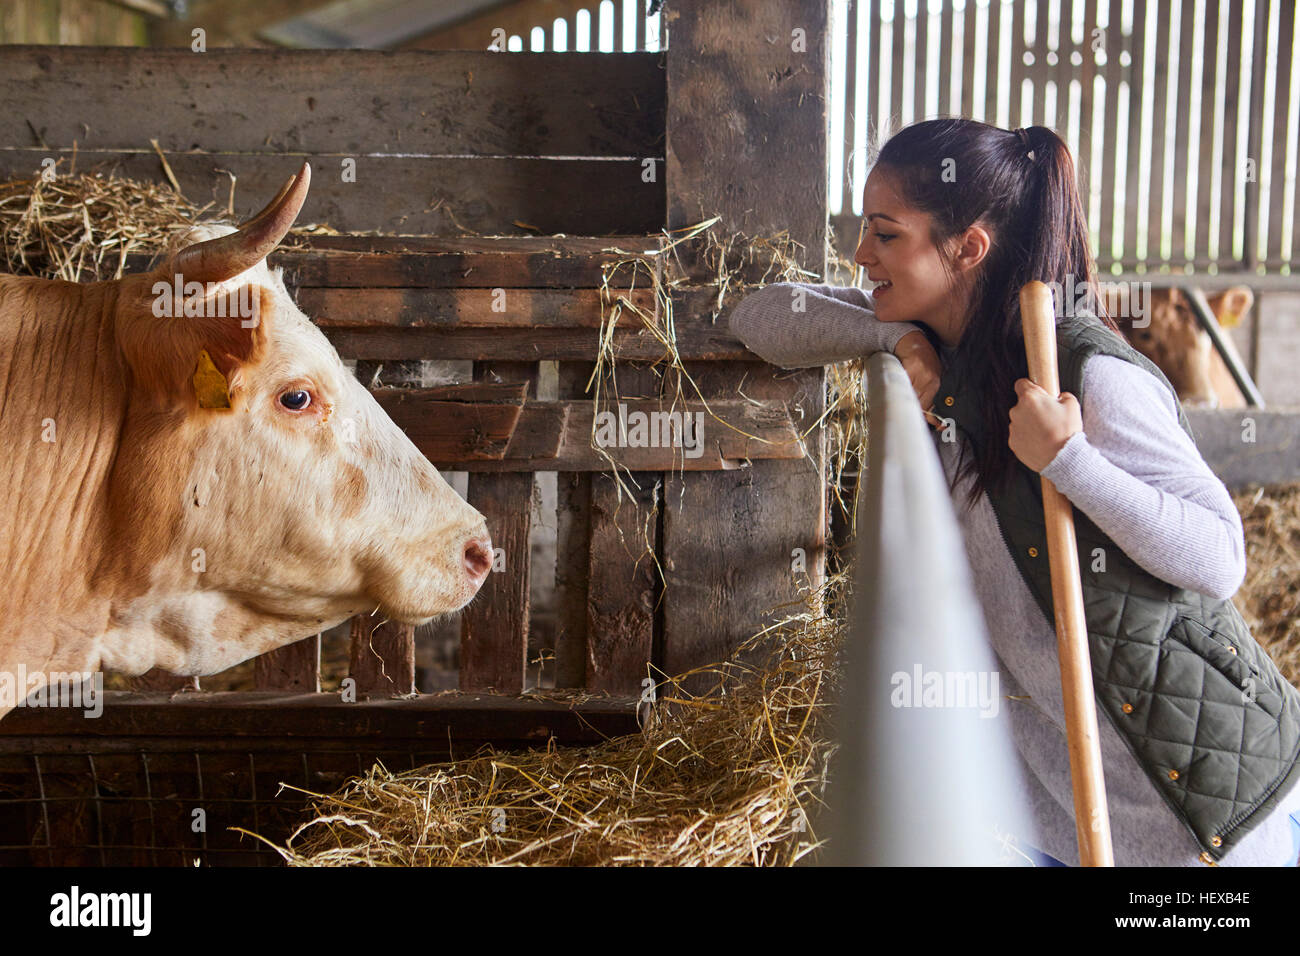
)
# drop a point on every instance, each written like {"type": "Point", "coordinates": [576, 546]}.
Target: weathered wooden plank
{"type": "Point", "coordinates": [462, 308]}
{"type": "Point", "coordinates": [1278, 174]}
{"type": "Point", "coordinates": [1230, 167]}
{"type": "Point", "coordinates": [382, 657]}
{"type": "Point", "coordinates": [572, 546]}
{"type": "Point", "coordinates": [1133, 76]}
{"type": "Point", "coordinates": [269, 721]}
{"type": "Point", "coordinates": [1018, 118]}
{"type": "Point", "coordinates": [546, 344]}
{"type": "Point", "coordinates": [1110, 137]}
{"type": "Point", "coordinates": [338, 102]}
{"type": "Point", "coordinates": [1208, 113]}
{"type": "Point", "coordinates": [1040, 71]}
{"type": "Point", "coordinates": [432, 196]}
{"type": "Point", "coordinates": [295, 667]}
{"type": "Point", "coordinates": [494, 631]}
{"type": "Point", "coordinates": [621, 596]}
{"type": "Point", "coordinates": [1185, 158]}
{"type": "Point", "coordinates": [993, 72]}
{"type": "Point", "coordinates": [1156, 185]}
{"type": "Point", "coordinates": [968, 30]}
{"type": "Point", "coordinates": [558, 435]}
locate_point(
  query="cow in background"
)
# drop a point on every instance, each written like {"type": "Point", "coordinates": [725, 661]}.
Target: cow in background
{"type": "Point", "coordinates": [185, 484]}
{"type": "Point", "coordinates": [1175, 341]}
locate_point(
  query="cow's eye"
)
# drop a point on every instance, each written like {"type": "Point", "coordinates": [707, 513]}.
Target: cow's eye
{"type": "Point", "coordinates": [295, 400]}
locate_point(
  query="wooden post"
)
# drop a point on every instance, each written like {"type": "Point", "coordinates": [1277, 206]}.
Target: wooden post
{"type": "Point", "coordinates": [494, 635]}
{"type": "Point", "coordinates": [733, 539]}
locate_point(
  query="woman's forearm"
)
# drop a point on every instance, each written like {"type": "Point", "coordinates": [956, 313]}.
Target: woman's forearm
{"type": "Point", "coordinates": [797, 325]}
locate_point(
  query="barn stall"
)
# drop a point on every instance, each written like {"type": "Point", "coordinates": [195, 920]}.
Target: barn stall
{"type": "Point", "coordinates": [550, 182]}
{"type": "Point", "coordinates": [390, 302]}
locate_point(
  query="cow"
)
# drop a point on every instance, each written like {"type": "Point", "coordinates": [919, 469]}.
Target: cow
{"type": "Point", "coordinates": [1175, 341]}
{"type": "Point", "coordinates": [192, 477]}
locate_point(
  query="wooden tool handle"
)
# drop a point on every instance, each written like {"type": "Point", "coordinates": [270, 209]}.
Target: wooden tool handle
{"type": "Point", "coordinates": [1092, 821]}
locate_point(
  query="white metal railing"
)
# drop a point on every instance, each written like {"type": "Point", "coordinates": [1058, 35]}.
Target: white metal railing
{"type": "Point", "coordinates": [918, 785]}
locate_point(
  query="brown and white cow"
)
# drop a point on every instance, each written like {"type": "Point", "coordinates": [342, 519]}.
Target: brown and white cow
{"type": "Point", "coordinates": [142, 525]}
{"type": "Point", "coordinates": [1175, 341]}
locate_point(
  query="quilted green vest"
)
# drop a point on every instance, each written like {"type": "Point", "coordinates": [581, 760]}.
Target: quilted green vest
{"type": "Point", "coordinates": [1200, 704]}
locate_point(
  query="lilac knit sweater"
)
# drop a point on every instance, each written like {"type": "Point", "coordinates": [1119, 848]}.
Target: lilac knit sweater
{"type": "Point", "coordinates": [1137, 475]}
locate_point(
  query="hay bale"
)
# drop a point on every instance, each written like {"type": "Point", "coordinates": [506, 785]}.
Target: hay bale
{"type": "Point", "coordinates": [733, 777]}
{"type": "Point", "coordinates": [81, 227]}
{"type": "Point", "coordinates": [1269, 598]}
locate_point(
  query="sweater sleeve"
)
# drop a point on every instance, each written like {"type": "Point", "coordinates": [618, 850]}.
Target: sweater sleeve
{"type": "Point", "coordinates": [1140, 478]}
{"type": "Point", "coordinates": [797, 325]}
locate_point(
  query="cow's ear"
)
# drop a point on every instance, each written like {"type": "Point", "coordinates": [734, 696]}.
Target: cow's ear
{"type": "Point", "coordinates": [1236, 303]}
{"type": "Point", "coordinates": [197, 354]}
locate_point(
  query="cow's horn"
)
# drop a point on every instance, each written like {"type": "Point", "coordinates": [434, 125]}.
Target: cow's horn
{"type": "Point", "coordinates": [216, 260]}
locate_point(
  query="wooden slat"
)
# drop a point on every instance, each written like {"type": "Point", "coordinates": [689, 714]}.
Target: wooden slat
{"type": "Point", "coordinates": [572, 544]}
{"type": "Point", "coordinates": [348, 102]}
{"type": "Point", "coordinates": [1110, 139]}
{"type": "Point", "coordinates": [494, 633]}
{"type": "Point", "coordinates": [919, 75]}
{"type": "Point", "coordinates": [1041, 70]}
{"type": "Point", "coordinates": [1018, 69]}
{"type": "Point", "coordinates": [1184, 157]}
{"type": "Point", "coordinates": [1254, 140]}
{"type": "Point", "coordinates": [382, 657]}
{"type": "Point", "coordinates": [967, 60]}
{"type": "Point", "coordinates": [295, 667]}
{"type": "Point", "coordinates": [1272, 254]}
{"type": "Point", "coordinates": [1064, 71]}
{"type": "Point", "coordinates": [947, 105]}
{"type": "Point", "coordinates": [438, 196]}
{"type": "Point", "coordinates": [850, 106]}
{"type": "Point", "coordinates": [995, 66]}
{"type": "Point", "coordinates": [873, 68]}
{"type": "Point", "coordinates": [1208, 113]}
{"type": "Point", "coordinates": [557, 436]}
{"type": "Point", "coordinates": [898, 36]}
{"type": "Point", "coordinates": [541, 344]}
{"type": "Point", "coordinates": [621, 595]}
{"type": "Point", "coordinates": [1155, 188]}
{"type": "Point", "coordinates": [461, 308]}
{"type": "Point", "coordinates": [455, 262]}
{"type": "Point", "coordinates": [1136, 131]}
{"type": "Point", "coordinates": [1230, 169]}
{"type": "Point", "coordinates": [134, 722]}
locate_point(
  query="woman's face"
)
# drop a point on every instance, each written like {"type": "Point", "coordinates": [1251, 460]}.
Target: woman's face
{"type": "Point", "coordinates": [898, 255]}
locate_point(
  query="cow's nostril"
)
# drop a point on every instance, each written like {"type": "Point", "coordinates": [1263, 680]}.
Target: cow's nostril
{"type": "Point", "coordinates": [478, 558]}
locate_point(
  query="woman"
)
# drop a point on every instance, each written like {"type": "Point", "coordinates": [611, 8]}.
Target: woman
{"type": "Point", "coordinates": [1200, 734]}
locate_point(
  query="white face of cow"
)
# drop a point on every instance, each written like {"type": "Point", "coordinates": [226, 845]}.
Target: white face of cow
{"type": "Point", "coordinates": [297, 506]}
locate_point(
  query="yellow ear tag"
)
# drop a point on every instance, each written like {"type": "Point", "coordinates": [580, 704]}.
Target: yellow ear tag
{"type": "Point", "coordinates": [209, 384]}
{"type": "Point", "coordinates": [1229, 319]}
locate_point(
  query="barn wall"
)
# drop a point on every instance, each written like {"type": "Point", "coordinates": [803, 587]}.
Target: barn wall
{"type": "Point", "coordinates": [71, 22]}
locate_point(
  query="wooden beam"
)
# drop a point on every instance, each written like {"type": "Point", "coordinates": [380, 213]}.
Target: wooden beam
{"type": "Point", "coordinates": [337, 102]}
{"type": "Point", "coordinates": [734, 542]}
{"type": "Point", "coordinates": [432, 196]}
{"type": "Point", "coordinates": [475, 32]}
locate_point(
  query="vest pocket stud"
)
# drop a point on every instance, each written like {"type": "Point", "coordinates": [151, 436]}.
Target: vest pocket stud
{"type": "Point", "coordinates": [1173, 774]}
{"type": "Point", "coordinates": [1033, 552]}
{"type": "Point", "coordinates": [1127, 708]}
{"type": "Point", "coordinates": [948, 401]}
{"type": "Point", "coordinates": [1216, 841]}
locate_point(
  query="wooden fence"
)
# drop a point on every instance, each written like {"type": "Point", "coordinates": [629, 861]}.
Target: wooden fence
{"type": "Point", "coordinates": [498, 151]}
{"type": "Point", "coordinates": [1184, 117]}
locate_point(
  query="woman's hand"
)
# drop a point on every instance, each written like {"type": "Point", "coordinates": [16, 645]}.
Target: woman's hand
{"type": "Point", "coordinates": [921, 362]}
{"type": "Point", "coordinates": [1041, 425]}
